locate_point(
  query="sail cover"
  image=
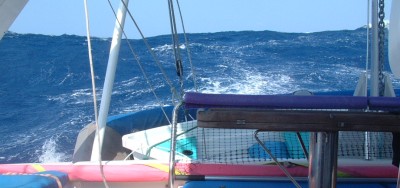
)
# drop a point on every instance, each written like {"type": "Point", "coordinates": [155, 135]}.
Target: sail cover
{"type": "Point", "coordinates": [9, 10]}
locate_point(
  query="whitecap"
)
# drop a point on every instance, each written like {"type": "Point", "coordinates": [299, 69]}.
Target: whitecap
{"type": "Point", "coordinates": [49, 152]}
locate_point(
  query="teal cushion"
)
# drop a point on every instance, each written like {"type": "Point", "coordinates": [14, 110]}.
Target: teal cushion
{"type": "Point", "coordinates": [278, 149]}
{"type": "Point", "coordinates": [294, 146]}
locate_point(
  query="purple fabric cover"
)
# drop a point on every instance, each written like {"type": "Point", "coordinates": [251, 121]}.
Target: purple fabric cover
{"type": "Point", "coordinates": [384, 103]}
{"type": "Point", "coordinates": [202, 100]}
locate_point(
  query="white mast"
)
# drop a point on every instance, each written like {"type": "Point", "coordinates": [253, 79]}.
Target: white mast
{"type": "Point", "coordinates": [109, 80]}
{"type": "Point", "coordinates": [9, 10]}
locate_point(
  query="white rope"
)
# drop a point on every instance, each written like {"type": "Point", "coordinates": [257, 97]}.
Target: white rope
{"type": "Point", "coordinates": [94, 91]}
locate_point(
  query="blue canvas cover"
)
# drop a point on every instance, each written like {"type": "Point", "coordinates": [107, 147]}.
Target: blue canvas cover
{"type": "Point", "coordinates": [46, 179]}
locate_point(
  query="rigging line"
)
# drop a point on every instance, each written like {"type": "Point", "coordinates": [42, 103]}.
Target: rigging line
{"type": "Point", "coordinates": [367, 134]}
{"type": "Point", "coordinates": [173, 90]}
{"type": "Point", "coordinates": [174, 33]}
{"type": "Point", "coordinates": [94, 91]}
{"type": "Point", "coordinates": [140, 65]}
{"type": "Point", "coordinates": [175, 38]}
{"type": "Point", "coordinates": [187, 47]}
{"type": "Point", "coordinates": [175, 41]}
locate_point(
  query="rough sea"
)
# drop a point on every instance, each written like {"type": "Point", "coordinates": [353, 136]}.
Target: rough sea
{"type": "Point", "coordinates": [45, 84]}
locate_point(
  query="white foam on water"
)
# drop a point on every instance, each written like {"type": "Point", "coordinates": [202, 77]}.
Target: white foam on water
{"type": "Point", "coordinates": [166, 47]}
{"type": "Point", "coordinates": [162, 48]}
{"type": "Point", "coordinates": [79, 96]}
{"type": "Point", "coordinates": [49, 152]}
{"type": "Point", "coordinates": [250, 83]}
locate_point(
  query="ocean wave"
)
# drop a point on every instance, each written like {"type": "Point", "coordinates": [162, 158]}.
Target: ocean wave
{"type": "Point", "coordinates": [167, 47]}
{"type": "Point", "coordinates": [261, 62]}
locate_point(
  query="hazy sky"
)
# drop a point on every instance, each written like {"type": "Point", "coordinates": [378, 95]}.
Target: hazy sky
{"type": "Point", "coordinates": [56, 17]}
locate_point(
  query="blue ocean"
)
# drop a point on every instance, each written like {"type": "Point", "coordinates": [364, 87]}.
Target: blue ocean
{"type": "Point", "coordinates": [46, 96]}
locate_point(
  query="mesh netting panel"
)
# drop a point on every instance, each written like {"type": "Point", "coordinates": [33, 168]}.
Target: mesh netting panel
{"type": "Point", "coordinates": [238, 146]}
